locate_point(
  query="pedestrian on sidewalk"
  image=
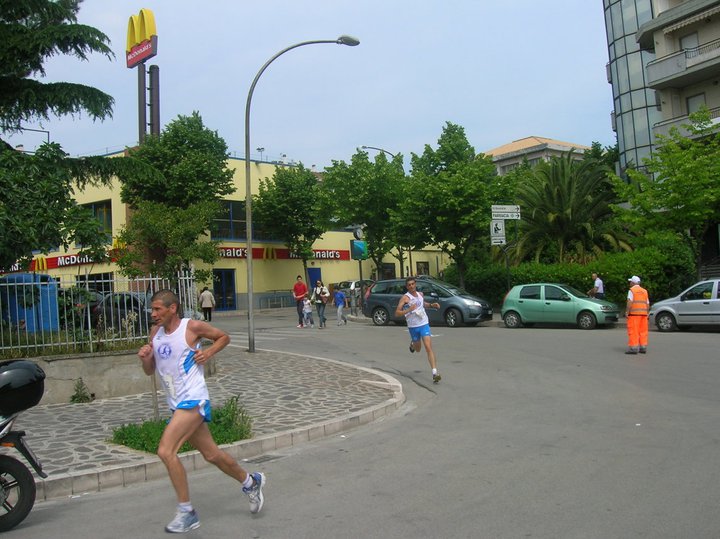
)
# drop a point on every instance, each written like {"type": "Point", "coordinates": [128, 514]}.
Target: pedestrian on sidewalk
{"type": "Point", "coordinates": [320, 297]}
{"type": "Point", "coordinates": [412, 306]}
{"type": "Point", "coordinates": [174, 352]}
{"type": "Point", "coordinates": [207, 303]}
{"type": "Point", "coordinates": [300, 290]}
{"type": "Point", "coordinates": [340, 301]}
{"type": "Point", "coordinates": [637, 311]}
{"type": "Point", "coordinates": [598, 289]}
{"type": "Point", "coordinates": [308, 321]}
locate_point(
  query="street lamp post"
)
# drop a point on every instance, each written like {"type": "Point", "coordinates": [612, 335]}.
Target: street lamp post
{"type": "Point", "coordinates": [36, 131]}
{"type": "Point", "coordinates": [342, 40]}
{"type": "Point", "coordinates": [392, 155]}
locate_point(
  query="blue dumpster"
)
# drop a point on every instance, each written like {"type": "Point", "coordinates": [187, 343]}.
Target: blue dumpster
{"type": "Point", "coordinates": [30, 301]}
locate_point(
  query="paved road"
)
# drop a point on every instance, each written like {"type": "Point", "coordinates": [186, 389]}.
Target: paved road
{"type": "Point", "coordinates": [542, 433]}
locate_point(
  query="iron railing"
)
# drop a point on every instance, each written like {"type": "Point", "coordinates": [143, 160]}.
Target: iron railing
{"type": "Point", "coordinates": [42, 315]}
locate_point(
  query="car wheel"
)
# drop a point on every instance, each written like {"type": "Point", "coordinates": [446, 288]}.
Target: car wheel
{"type": "Point", "coordinates": [453, 318]}
{"type": "Point", "coordinates": [512, 320]}
{"type": "Point", "coordinates": [665, 322]}
{"type": "Point", "coordinates": [380, 316]}
{"type": "Point", "coordinates": [586, 320]}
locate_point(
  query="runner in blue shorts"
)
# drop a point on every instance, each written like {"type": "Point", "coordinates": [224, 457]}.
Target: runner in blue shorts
{"type": "Point", "coordinates": [412, 306]}
{"type": "Point", "coordinates": [174, 352]}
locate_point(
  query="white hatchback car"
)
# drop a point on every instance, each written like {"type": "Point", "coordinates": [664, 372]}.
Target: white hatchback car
{"type": "Point", "coordinates": [699, 305]}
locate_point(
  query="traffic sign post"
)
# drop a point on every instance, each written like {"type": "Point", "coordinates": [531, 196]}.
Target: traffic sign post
{"type": "Point", "coordinates": [514, 215]}
{"type": "Point", "coordinates": [500, 213]}
{"type": "Point", "coordinates": [506, 208]}
{"type": "Point", "coordinates": [497, 229]}
{"type": "Point", "coordinates": [505, 211]}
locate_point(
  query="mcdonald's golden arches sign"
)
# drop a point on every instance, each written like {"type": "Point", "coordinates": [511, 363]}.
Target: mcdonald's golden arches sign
{"type": "Point", "coordinates": [41, 264]}
{"type": "Point", "coordinates": [141, 38]}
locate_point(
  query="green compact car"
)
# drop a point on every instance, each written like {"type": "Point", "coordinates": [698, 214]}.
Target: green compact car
{"type": "Point", "coordinates": [552, 303]}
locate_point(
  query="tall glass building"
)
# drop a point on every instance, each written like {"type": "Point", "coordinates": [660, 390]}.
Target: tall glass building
{"type": "Point", "coordinates": [636, 108]}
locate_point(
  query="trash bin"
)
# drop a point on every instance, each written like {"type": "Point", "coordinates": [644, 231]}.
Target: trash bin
{"type": "Point", "coordinates": [30, 301]}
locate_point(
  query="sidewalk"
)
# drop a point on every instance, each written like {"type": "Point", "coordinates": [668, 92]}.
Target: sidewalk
{"type": "Point", "coordinates": [291, 399]}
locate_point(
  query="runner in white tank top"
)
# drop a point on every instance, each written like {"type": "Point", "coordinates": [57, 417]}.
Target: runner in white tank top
{"type": "Point", "coordinates": [183, 379]}
{"type": "Point", "coordinates": [412, 307]}
{"type": "Point", "coordinates": [174, 352]}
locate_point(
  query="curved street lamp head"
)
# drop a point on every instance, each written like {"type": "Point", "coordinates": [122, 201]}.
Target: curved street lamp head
{"type": "Point", "coordinates": [378, 149]}
{"type": "Point", "coordinates": [348, 40]}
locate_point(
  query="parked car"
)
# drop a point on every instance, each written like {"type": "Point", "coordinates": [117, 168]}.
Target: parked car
{"type": "Point", "coordinates": [123, 311]}
{"type": "Point", "coordinates": [457, 306]}
{"type": "Point", "coordinates": [697, 306]}
{"type": "Point", "coordinates": [528, 304]}
{"type": "Point", "coordinates": [74, 305]}
{"type": "Point", "coordinates": [346, 286]}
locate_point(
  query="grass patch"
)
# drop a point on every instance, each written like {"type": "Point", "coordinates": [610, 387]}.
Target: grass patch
{"type": "Point", "coordinates": [230, 423]}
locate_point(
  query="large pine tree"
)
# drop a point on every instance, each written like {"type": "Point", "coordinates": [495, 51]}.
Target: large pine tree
{"type": "Point", "coordinates": [31, 31]}
{"type": "Point", "coordinates": [37, 208]}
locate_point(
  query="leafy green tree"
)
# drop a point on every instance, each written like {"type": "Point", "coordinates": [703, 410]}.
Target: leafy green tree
{"type": "Point", "coordinates": [37, 210]}
{"type": "Point", "coordinates": [30, 32]}
{"type": "Point", "coordinates": [288, 208]}
{"type": "Point", "coordinates": [163, 239]}
{"type": "Point", "coordinates": [679, 190]}
{"type": "Point", "coordinates": [193, 163]}
{"type": "Point", "coordinates": [173, 211]}
{"type": "Point", "coordinates": [408, 229]}
{"type": "Point", "coordinates": [609, 155]}
{"type": "Point", "coordinates": [566, 212]}
{"type": "Point", "coordinates": [452, 190]}
{"type": "Point", "coordinates": [35, 191]}
{"type": "Point", "coordinates": [364, 193]}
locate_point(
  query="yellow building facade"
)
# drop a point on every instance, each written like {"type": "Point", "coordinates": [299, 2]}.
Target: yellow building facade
{"type": "Point", "coordinates": [274, 269]}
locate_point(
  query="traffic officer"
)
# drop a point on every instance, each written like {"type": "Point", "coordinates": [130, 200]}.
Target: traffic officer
{"type": "Point", "coordinates": [636, 312]}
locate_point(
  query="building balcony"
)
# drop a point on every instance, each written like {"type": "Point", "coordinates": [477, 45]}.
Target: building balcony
{"type": "Point", "coordinates": [663, 128]}
{"type": "Point", "coordinates": [685, 67]}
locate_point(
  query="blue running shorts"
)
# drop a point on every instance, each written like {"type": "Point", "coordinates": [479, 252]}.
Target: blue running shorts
{"type": "Point", "coordinates": [203, 407]}
{"type": "Point", "coordinates": [419, 332]}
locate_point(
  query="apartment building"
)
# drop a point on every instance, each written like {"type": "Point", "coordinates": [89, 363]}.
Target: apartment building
{"type": "Point", "coordinates": [664, 64]}
{"type": "Point", "coordinates": [684, 36]}
{"type": "Point", "coordinates": [635, 108]}
{"type": "Point", "coordinates": [531, 150]}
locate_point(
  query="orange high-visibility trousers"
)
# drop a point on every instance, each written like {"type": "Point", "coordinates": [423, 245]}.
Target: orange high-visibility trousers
{"type": "Point", "coordinates": [637, 328]}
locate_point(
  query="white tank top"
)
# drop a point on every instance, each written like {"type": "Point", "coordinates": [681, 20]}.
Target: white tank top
{"type": "Point", "coordinates": [183, 379]}
{"type": "Point", "coordinates": [418, 317]}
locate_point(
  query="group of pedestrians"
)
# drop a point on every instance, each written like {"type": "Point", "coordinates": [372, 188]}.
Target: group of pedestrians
{"type": "Point", "coordinates": [319, 298]}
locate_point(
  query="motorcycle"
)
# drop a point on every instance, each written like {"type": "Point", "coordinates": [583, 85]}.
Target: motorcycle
{"type": "Point", "coordinates": [22, 384]}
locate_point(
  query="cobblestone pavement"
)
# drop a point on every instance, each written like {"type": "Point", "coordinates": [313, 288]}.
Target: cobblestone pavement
{"type": "Point", "coordinates": [289, 398]}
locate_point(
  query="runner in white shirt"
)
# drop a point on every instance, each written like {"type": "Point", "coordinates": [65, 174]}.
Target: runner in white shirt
{"type": "Point", "coordinates": [412, 306]}
{"type": "Point", "coordinates": [175, 353]}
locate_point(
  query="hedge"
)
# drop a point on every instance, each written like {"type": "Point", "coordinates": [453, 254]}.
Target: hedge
{"type": "Point", "coordinates": [664, 272]}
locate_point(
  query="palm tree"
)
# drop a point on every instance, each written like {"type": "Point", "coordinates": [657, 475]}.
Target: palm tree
{"type": "Point", "coordinates": [566, 213]}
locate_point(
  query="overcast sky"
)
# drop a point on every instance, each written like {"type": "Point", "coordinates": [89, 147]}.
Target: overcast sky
{"type": "Point", "coordinates": [502, 69]}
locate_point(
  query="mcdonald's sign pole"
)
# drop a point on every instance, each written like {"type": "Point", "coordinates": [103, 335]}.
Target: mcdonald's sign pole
{"type": "Point", "coordinates": [141, 45]}
{"type": "Point", "coordinates": [342, 40]}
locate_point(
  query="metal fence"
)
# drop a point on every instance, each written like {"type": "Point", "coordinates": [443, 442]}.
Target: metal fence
{"type": "Point", "coordinates": [276, 299]}
{"type": "Point", "coordinates": [43, 315]}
